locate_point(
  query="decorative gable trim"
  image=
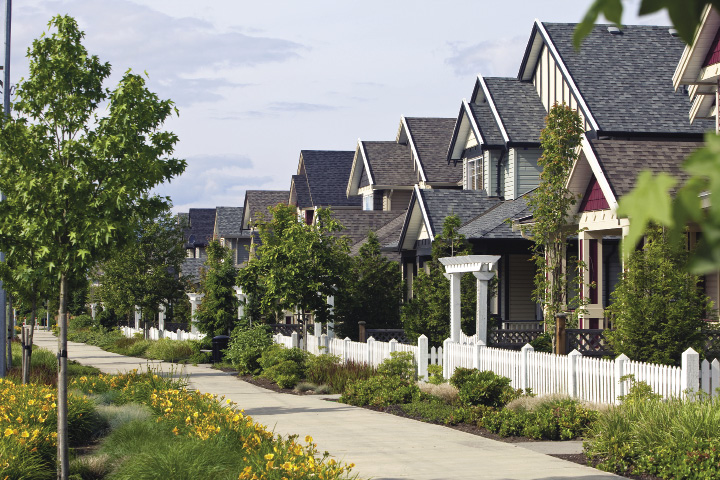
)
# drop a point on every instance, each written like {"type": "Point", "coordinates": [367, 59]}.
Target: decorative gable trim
{"type": "Point", "coordinates": [598, 174]}
{"type": "Point", "coordinates": [594, 199]}
{"type": "Point", "coordinates": [416, 156]}
{"type": "Point", "coordinates": [356, 172]}
{"type": "Point", "coordinates": [415, 218]}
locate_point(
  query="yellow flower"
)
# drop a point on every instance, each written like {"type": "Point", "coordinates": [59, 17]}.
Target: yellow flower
{"type": "Point", "coordinates": [269, 456]}
{"type": "Point", "coordinates": [25, 434]}
{"type": "Point", "coordinates": [308, 439]}
{"type": "Point", "coordinates": [8, 432]}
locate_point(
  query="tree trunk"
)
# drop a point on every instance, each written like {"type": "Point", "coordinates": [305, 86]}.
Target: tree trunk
{"type": "Point", "coordinates": [27, 349]}
{"type": "Point", "coordinates": [10, 332]}
{"type": "Point", "coordinates": [63, 453]}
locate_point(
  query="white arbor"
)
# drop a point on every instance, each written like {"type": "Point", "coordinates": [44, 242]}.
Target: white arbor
{"type": "Point", "coordinates": [483, 267]}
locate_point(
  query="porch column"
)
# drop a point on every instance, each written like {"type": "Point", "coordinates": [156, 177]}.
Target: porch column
{"type": "Point", "coordinates": [93, 309]}
{"type": "Point", "coordinates": [481, 317]}
{"type": "Point", "coordinates": [161, 317]}
{"type": "Point", "coordinates": [138, 314]}
{"type": "Point", "coordinates": [241, 305]}
{"type": "Point", "coordinates": [195, 299]}
{"type": "Point", "coordinates": [455, 307]}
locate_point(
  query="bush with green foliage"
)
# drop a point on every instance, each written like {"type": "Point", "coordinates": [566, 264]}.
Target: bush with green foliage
{"type": "Point", "coordinates": [543, 343]}
{"type": "Point", "coordinates": [379, 391]}
{"type": "Point", "coordinates": [431, 408]}
{"type": "Point", "coordinates": [476, 387]}
{"type": "Point", "coordinates": [435, 375]}
{"type": "Point", "coordinates": [246, 346]}
{"type": "Point", "coordinates": [81, 321]}
{"type": "Point", "coordinates": [327, 370]}
{"type": "Point", "coordinates": [172, 350]}
{"type": "Point", "coordinates": [400, 364]}
{"type": "Point", "coordinates": [284, 366]}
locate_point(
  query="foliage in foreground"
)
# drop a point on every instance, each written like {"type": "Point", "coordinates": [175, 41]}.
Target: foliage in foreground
{"type": "Point", "coordinates": [246, 347]}
{"type": "Point", "coordinates": [327, 370]}
{"type": "Point", "coordinates": [671, 439]}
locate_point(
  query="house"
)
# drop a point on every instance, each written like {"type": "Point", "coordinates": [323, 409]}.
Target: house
{"type": "Point", "coordinates": [620, 84]}
{"type": "Point", "coordinates": [228, 231]}
{"type": "Point", "coordinates": [320, 183]}
{"type": "Point", "coordinates": [198, 226]}
{"type": "Point", "coordinates": [257, 203]}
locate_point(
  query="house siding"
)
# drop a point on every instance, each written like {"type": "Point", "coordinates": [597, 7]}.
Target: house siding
{"type": "Point", "coordinates": [522, 278]}
{"type": "Point", "coordinates": [509, 176]}
{"type": "Point", "coordinates": [528, 172]}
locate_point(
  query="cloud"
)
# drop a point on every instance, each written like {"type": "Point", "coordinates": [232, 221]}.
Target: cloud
{"type": "Point", "coordinates": [301, 107]}
{"type": "Point", "coordinates": [186, 58]}
{"type": "Point", "coordinates": [490, 58]}
{"type": "Point", "coordinates": [213, 180]}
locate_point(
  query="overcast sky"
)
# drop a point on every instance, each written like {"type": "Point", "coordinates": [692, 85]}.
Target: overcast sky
{"type": "Point", "coordinates": [256, 82]}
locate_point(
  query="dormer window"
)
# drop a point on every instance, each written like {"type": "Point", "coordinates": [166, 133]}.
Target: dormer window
{"type": "Point", "coordinates": [368, 201]}
{"type": "Point", "coordinates": [475, 174]}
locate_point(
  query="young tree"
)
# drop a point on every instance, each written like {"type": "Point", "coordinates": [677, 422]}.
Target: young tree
{"type": "Point", "coordinates": [144, 272]}
{"type": "Point", "coordinates": [217, 312]}
{"type": "Point", "coordinates": [657, 307]}
{"type": "Point", "coordinates": [550, 205]}
{"type": "Point", "coordinates": [428, 312]}
{"type": "Point", "coordinates": [73, 177]}
{"type": "Point", "coordinates": [296, 266]}
{"type": "Point", "coordinates": [372, 292]}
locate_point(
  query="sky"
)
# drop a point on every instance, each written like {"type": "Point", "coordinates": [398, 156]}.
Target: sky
{"type": "Point", "coordinates": [257, 82]}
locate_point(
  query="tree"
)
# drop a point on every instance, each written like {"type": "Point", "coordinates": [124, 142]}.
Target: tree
{"type": "Point", "coordinates": [296, 266]}
{"type": "Point", "coordinates": [217, 312]}
{"type": "Point", "coordinates": [428, 312]}
{"type": "Point", "coordinates": [144, 271]}
{"type": "Point", "coordinates": [372, 292]}
{"type": "Point", "coordinates": [73, 177]}
{"type": "Point", "coordinates": [550, 204]}
{"type": "Point", "coordinates": [657, 308]}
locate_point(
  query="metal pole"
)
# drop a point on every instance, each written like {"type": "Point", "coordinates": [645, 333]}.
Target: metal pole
{"type": "Point", "coordinates": [6, 111]}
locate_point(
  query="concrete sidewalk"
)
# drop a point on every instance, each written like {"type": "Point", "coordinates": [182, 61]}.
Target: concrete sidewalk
{"type": "Point", "coordinates": [382, 446]}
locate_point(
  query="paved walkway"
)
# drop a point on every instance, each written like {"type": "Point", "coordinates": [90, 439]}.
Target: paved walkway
{"type": "Point", "coordinates": [382, 446]}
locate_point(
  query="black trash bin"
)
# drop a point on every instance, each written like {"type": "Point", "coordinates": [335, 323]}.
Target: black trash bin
{"type": "Point", "coordinates": [219, 344]}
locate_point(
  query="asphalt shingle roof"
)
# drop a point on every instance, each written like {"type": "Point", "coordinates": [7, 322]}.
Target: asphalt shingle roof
{"type": "Point", "coordinates": [228, 221]}
{"type": "Point", "coordinates": [626, 79]}
{"type": "Point", "coordinates": [302, 192]}
{"type": "Point", "coordinates": [431, 137]}
{"type": "Point", "coordinates": [519, 106]}
{"type": "Point", "coordinates": [327, 174]}
{"type": "Point", "coordinates": [493, 222]}
{"type": "Point", "coordinates": [258, 202]}
{"type": "Point", "coordinates": [390, 163]}
{"type": "Point", "coordinates": [388, 235]}
{"type": "Point", "coordinates": [623, 160]}
{"type": "Point", "coordinates": [201, 227]}
{"type": "Point", "coordinates": [486, 122]}
{"type": "Point", "coordinates": [466, 204]}
{"type": "Point", "coordinates": [358, 223]}
{"type": "Point", "coordinates": [191, 268]}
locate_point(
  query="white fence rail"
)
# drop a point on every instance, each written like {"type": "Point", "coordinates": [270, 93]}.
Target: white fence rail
{"type": "Point", "coordinates": [155, 334]}
{"type": "Point", "coordinates": [591, 379]}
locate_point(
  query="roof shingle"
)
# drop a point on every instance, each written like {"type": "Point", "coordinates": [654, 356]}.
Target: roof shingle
{"type": "Point", "coordinates": [390, 163]}
{"type": "Point", "coordinates": [228, 222]}
{"type": "Point", "coordinates": [431, 137]}
{"type": "Point", "coordinates": [519, 106]}
{"type": "Point", "coordinates": [466, 204]}
{"type": "Point", "coordinates": [257, 202]}
{"type": "Point", "coordinates": [327, 174]}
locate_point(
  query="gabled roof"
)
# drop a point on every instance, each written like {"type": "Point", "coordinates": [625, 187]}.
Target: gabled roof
{"type": "Point", "coordinates": [300, 192]}
{"type": "Point", "coordinates": [385, 164]}
{"type": "Point", "coordinates": [519, 107]}
{"type": "Point", "coordinates": [428, 139]}
{"type": "Point", "coordinates": [623, 160]}
{"type": "Point", "coordinates": [429, 208]}
{"type": "Point", "coordinates": [493, 222]}
{"type": "Point", "coordinates": [327, 174]}
{"type": "Point", "coordinates": [228, 222]}
{"type": "Point", "coordinates": [190, 269]}
{"type": "Point", "coordinates": [257, 203]}
{"type": "Point", "coordinates": [358, 223]}
{"type": "Point", "coordinates": [623, 79]}
{"type": "Point", "coordinates": [200, 228]}
{"type": "Point", "coordinates": [388, 235]}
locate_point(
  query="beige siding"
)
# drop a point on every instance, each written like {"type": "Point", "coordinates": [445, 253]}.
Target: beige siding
{"type": "Point", "coordinates": [471, 141]}
{"type": "Point", "coordinates": [400, 199]}
{"type": "Point", "coordinates": [465, 177]}
{"type": "Point", "coordinates": [528, 172]}
{"type": "Point", "coordinates": [522, 273]}
{"type": "Point", "coordinates": [509, 176]}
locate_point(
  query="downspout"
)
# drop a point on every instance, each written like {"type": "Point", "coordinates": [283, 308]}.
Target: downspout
{"type": "Point", "coordinates": [499, 165]}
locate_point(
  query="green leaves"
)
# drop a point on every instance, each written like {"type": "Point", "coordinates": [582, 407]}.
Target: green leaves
{"type": "Point", "coordinates": [611, 9]}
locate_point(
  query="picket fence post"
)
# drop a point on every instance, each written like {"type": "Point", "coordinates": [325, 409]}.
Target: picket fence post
{"type": "Point", "coordinates": [715, 377]}
{"type": "Point", "coordinates": [423, 356]}
{"type": "Point", "coordinates": [317, 329]}
{"type": "Point", "coordinates": [619, 373]}
{"type": "Point", "coordinates": [446, 362]}
{"type": "Point", "coordinates": [393, 345]}
{"type": "Point", "coordinates": [525, 367]}
{"type": "Point", "coordinates": [294, 340]}
{"type": "Point", "coordinates": [346, 349]}
{"type": "Point", "coordinates": [323, 344]}
{"type": "Point", "coordinates": [572, 373]}
{"type": "Point", "coordinates": [370, 351]}
{"type": "Point", "coordinates": [690, 374]}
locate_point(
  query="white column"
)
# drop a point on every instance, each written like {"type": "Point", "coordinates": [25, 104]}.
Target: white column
{"type": "Point", "coordinates": [481, 316]}
{"type": "Point", "coordinates": [455, 312]}
{"type": "Point", "coordinates": [690, 373]}
{"type": "Point", "coordinates": [241, 301]}
{"type": "Point", "coordinates": [93, 308]}
{"type": "Point", "coordinates": [422, 358]}
{"type": "Point", "coordinates": [195, 299]}
{"type": "Point", "coordinates": [161, 317]}
{"type": "Point", "coordinates": [138, 313]}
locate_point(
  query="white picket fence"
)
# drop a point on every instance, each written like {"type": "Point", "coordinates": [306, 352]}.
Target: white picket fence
{"type": "Point", "coordinates": [591, 379]}
{"type": "Point", "coordinates": [156, 334]}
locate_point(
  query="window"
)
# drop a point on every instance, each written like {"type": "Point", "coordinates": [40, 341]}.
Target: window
{"type": "Point", "coordinates": [475, 174]}
{"type": "Point", "coordinates": [368, 201]}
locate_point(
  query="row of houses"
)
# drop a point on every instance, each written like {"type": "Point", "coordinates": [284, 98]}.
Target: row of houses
{"type": "Point", "coordinates": [630, 86]}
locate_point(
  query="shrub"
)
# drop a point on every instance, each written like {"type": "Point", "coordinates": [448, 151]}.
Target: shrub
{"type": "Point", "coordinates": [543, 343]}
{"type": "Point", "coordinates": [434, 409]}
{"type": "Point", "coordinates": [435, 375]}
{"type": "Point", "coordinates": [80, 322]}
{"type": "Point", "coordinates": [245, 348]}
{"type": "Point", "coordinates": [400, 364]}
{"type": "Point", "coordinates": [172, 350]}
{"type": "Point", "coordinates": [448, 393]}
{"type": "Point", "coordinates": [106, 319]}
{"type": "Point", "coordinates": [327, 370]}
{"type": "Point", "coordinates": [284, 366]}
{"type": "Point", "coordinates": [477, 387]}
{"type": "Point", "coordinates": [379, 391]}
